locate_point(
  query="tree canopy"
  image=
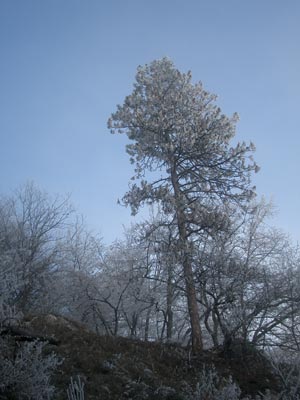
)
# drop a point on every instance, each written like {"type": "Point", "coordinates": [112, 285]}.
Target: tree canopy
{"type": "Point", "coordinates": [175, 124]}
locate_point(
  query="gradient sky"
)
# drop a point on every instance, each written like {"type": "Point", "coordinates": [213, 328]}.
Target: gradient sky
{"type": "Point", "coordinates": [65, 64]}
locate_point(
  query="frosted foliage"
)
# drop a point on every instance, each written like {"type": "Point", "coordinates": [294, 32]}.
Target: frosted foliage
{"type": "Point", "coordinates": [27, 375]}
{"type": "Point", "coordinates": [166, 111]}
{"type": "Point", "coordinates": [75, 390]}
{"type": "Point", "coordinates": [286, 366]}
{"type": "Point", "coordinates": [31, 226]}
{"type": "Point", "coordinates": [211, 387]}
{"type": "Point", "coordinates": [9, 285]}
{"type": "Point", "coordinates": [9, 275]}
{"type": "Point", "coordinates": [9, 315]}
{"type": "Point", "coordinates": [175, 125]}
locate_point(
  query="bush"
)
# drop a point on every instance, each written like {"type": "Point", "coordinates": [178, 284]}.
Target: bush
{"type": "Point", "coordinates": [286, 366]}
{"type": "Point", "coordinates": [27, 374]}
{"type": "Point", "coordinates": [211, 387]}
{"type": "Point", "coordinates": [75, 390]}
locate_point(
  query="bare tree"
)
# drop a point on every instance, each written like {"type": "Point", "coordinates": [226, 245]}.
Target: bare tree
{"type": "Point", "coordinates": [248, 280]}
{"type": "Point", "coordinates": [31, 225]}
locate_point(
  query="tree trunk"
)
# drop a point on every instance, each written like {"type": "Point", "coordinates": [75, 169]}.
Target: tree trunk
{"type": "Point", "coordinates": [169, 304]}
{"type": "Point", "coordinates": [197, 344]}
{"type": "Point", "coordinates": [147, 324]}
{"type": "Point", "coordinates": [133, 325]}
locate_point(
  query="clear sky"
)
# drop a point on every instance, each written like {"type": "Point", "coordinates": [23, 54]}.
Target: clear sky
{"type": "Point", "coordinates": [65, 64]}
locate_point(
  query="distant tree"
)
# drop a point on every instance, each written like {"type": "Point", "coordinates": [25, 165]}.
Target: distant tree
{"type": "Point", "coordinates": [163, 268]}
{"type": "Point", "coordinates": [80, 257]}
{"type": "Point", "coordinates": [31, 225]}
{"type": "Point", "coordinates": [249, 282]}
{"type": "Point", "coordinates": [177, 129]}
{"type": "Point", "coordinates": [126, 264]}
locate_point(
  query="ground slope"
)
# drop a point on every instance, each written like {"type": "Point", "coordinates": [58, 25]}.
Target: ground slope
{"type": "Point", "coordinates": [115, 368]}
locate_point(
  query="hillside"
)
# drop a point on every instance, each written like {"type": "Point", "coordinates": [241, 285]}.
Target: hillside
{"type": "Point", "coordinates": [116, 368]}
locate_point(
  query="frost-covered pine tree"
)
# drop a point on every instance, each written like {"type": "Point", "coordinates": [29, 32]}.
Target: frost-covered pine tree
{"type": "Point", "coordinates": [176, 128]}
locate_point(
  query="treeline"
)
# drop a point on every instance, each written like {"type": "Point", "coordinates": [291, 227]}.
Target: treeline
{"type": "Point", "coordinates": [246, 276]}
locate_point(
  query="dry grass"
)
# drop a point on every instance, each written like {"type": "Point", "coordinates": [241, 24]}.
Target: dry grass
{"type": "Point", "coordinates": [115, 368]}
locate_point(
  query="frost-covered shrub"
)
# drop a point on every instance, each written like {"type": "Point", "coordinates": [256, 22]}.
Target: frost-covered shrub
{"type": "Point", "coordinates": [27, 374]}
{"type": "Point", "coordinates": [211, 386]}
{"type": "Point", "coordinates": [75, 390]}
{"type": "Point", "coordinates": [287, 369]}
{"type": "Point", "coordinates": [9, 316]}
{"type": "Point", "coordinates": [165, 392]}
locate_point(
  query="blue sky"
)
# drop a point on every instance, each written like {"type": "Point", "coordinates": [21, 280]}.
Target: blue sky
{"type": "Point", "coordinates": [65, 64]}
